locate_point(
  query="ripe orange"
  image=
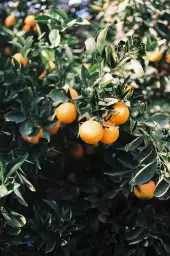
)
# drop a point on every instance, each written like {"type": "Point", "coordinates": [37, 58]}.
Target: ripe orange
{"type": "Point", "coordinates": [53, 130]}
{"type": "Point", "coordinates": [111, 133]}
{"type": "Point", "coordinates": [7, 51]}
{"type": "Point", "coordinates": [169, 26]}
{"type": "Point", "coordinates": [168, 58]}
{"type": "Point", "coordinates": [91, 132]}
{"type": "Point", "coordinates": [121, 114]}
{"type": "Point", "coordinates": [130, 88]}
{"type": "Point", "coordinates": [66, 113]}
{"type": "Point", "coordinates": [73, 92]}
{"type": "Point", "coordinates": [21, 60]}
{"type": "Point", "coordinates": [145, 191]}
{"type": "Point", "coordinates": [26, 28]}
{"type": "Point", "coordinates": [77, 151]}
{"type": "Point", "coordinates": [52, 65]}
{"type": "Point", "coordinates": [154, 56]}
{"type": "Point", "coordinates": [43, 74]}
{"type": "Point", "coordinates": [10, 21]}
{"type": "Point", "coordinates": [35, 139]}
{"type": "Point", "coordinates": [30, 20]}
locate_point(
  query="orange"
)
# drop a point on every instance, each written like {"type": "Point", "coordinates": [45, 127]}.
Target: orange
{"type": "Point", "coordinates": [168, 58]}
{"type": "Point", "coordinates": [145, 191]}
{"type": "Point", "coordinates": [7, 51]}
{"type": "Point", "coordinates": [21, 60]}
{"type": "Point", "coordinates": [35, 139]}
{"type": "Point", "coordinates": [52, 65]}
{"type": "Point", "coordinates": [43, 74]}
{"type": "Point", "coordinates": [154, 56]}
{"type": "Point", "coordinates": [26, 28]}
{"type": "Point", "coordinates": [130, 88]}
{"type": "Point", "coordinates": [30, 20]}
{"type": "Point", "coordinates": [111, 133]}
{"type": "Point", "coordinates": [66, 113]}
{"type": "Point", "coordinates": [73, 92]}
{"type": "Point", "coordinates": [54, 129]}
{"type": "Point", "coordinates": [169, 26]}
{"type": "Point", "coordinates": [91, 132]}
{"type": "Point", "coordinates": [77, 151]}
{"type": "Point", "coordinates": [121, 114]}
{"type": "Point", "coordinates": [10, 21]}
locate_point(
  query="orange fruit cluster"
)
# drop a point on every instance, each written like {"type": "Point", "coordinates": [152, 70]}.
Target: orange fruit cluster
{"type": "Point", "coordinates": [92, 131]}
{"type": "Point", "coordinates": [29, 23]}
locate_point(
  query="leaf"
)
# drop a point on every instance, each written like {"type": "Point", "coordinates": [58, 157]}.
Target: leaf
{"type": "Point", "coordinates": [145, 174]}
{"type": "Point", "coordinates": [58, 96]}
{"type": "Point", "coordinates": [50, 246]}
{"type": "Point", "coordinates": [90, 44]}
{"type": "Point", "coordinates": [161, 188]}
{"type": "Point", "coordinates": [27, 183]}
{"type": "Point", "coordinates": [20, 197]}
{"type": "Point", "coordinates": [13, 231]}
{"type": "Point", "coordinates": [2, 168]}
{"type": "Point", "coordinates": [42, 19]}
{"type": "Point", "coordinates": [101, 37]}
{"type": "Point", "coordinates": [16, 44]}
{"type": "Point", "coordinates": [53, 205]}
{"type": "Point", "coordinates": [14, 219]}
{"type": "Point", "coordinates": [112, 174]}
{"type": "Point", "coordinates": [137, 67]}
{"type": "Point", "coordinates": [15, 164]}
{"type": "Point", "coordinates": [3, 191]}
{"type": "Point", "coordinates": [134, 144]}
{"type": "Point", "coordinates": [85, 75]}
{"type": "Point", "coordinates": [160, 119]}
{"type": "Point", "coordinates": [66, 214]}
{"type": "Point", "coordinates": [55, 37]}
{"type": "Point", "coordinates": [17, 117]}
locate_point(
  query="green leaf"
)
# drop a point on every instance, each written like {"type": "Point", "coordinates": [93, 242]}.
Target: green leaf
{"type": "Point", "coordinates": [161, 188]}
{"type": "Point", "coordinates": [3, 191]}
{"type": "Point", "coordinates": [101, 40]}
{"type": "Point", "coordinates": [160, 119]}
{"type": "Point", "coordinates": [58, 96]}
{"type": "Point", "coordinates": [54, 37]}
{"type": "Point", "coordinates": [15, 164]}
{"type": "Point", "coordinates": [2, 168]}
{"type": "Point", "coordinates": [28, 183]}
{"type": "Point", "coordinates": [20, 197]}
{"type": "Point", "coordinates": [50, 246]}
{"type": "Point", "coordinates": [17, 117]}
{"type": "Point", "coordinates": [14, 219]}
{"type": "Point", "coordinates": [16, 44]}
{"type": "Point", "coordinates": [53, 205]}
{"type": "Point", "coordinates": [134, 144]}
{"type": "Point", "coordinates": [42, 19]}
{"type": "Point", "coordinates": [13, 231]}
{"type": "Point", "coordinates": [145, 174]}
{"type": "Point", "coordinates": [85, 76]}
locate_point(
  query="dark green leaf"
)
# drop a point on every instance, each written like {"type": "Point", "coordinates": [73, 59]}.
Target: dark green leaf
{"type": "Point", "coordinates": [17, 117]}
{"type": "Point", "coordinates": [13, 166]}
{"type": "Point", "coordinates": [145, 174]}
{"type": "Point", "coordinates": [58, 97]}
{"type": "Point", "coordinates": [134, 144]}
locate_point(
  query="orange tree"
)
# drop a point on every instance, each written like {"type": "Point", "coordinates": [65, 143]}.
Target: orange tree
{"type": "Point", "coordinates": [82, 152]}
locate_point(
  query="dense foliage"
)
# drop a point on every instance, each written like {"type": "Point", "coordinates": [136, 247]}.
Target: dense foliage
{"type": "Point", "coordinates": [85, 134]}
